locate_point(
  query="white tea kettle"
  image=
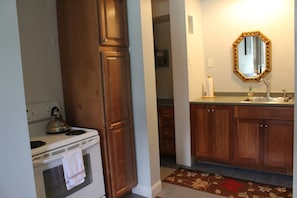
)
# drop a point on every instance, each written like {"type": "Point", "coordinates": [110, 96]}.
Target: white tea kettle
{"type": "Point", "coordinates": [56, 123]}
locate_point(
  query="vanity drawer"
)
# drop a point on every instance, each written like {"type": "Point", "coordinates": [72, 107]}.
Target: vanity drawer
{"type": "Point", "coordinates": [166, 112]}
{"type": "Point", "coordinates": [258, 112]}
{"type": "Point", "coordinates": [167, 146]}
{"type": "Point", "coordinates": [166, 122]}
{"type": "Point", "coordinates": [166, 132]}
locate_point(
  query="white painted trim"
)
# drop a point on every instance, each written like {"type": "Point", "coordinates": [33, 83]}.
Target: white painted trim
{"type": "Point", "coordinates": [148, 191]}
{"type": "Point", "coordinates": [156, 188]}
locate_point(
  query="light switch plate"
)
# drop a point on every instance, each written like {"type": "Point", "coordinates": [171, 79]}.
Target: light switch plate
{"type": "Point", "coordinates": [210, 62]}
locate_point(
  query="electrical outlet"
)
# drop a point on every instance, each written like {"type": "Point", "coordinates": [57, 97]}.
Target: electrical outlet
{"type": "Point", "coordinates": [40, 111]}
{"type": "Point", "coordinates": [30, 113]}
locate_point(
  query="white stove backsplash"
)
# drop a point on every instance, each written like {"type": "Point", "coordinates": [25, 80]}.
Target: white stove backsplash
{"type": "Point", "coordinates": [38, 116]}
{"type": "Point", "coordinates": [38, 128]}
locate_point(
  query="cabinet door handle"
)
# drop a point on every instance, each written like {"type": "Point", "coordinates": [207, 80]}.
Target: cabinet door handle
{"type": "Point", "coordinates": [208, 110]}
{"type": "Point", "coordinates": [111, 127]}
{"type": "Point", "coordinates": [266, 125]}
{"type": "Point", "coordinates": [261, 125]}
{"type": "Point", "coordinates": [104, 40]}
{"type": "Point", "coordinates": [212, 110]}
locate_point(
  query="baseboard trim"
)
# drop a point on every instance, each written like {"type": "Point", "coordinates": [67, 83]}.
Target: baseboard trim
{"type": "Point", "coordinates": [146, 191]}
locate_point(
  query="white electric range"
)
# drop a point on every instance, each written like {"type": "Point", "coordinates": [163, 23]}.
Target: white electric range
{"type": "Point", "coordinates": [48, 152]}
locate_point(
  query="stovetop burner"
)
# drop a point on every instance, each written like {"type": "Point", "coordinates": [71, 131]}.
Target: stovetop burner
{"type": "Point", "coordinates": [54, 141]}
{"type": "Point", "coordinates": [75, 132]}
{"type": "Point", "coordinates": [36, 144]}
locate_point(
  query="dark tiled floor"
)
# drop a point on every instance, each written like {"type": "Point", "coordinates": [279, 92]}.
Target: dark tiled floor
{"type": "Point", "coordinates": [256, 176]}
{"type": "Point", "coordinates": [133, 196]}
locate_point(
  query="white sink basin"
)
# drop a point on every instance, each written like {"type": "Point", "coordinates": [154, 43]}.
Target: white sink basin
{"type": "Point", "coordinates": [261, 99]}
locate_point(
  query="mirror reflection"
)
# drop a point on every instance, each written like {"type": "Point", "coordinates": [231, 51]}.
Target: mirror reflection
{"type": "Point", "coordinates": [251, 52]}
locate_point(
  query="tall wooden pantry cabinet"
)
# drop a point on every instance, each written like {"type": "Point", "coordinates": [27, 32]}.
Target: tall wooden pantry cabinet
{"type": "Point", "coordinates": [93, 39]}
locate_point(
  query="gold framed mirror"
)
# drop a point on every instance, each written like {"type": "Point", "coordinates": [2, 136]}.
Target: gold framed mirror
{"type": "Point", "coordinates": [251, 56]}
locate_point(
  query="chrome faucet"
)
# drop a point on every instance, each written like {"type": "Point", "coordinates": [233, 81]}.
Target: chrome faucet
{"type": "Point", "coordinates": [284, 93]}
{"type": "Point", "coordinates": [267, 83]}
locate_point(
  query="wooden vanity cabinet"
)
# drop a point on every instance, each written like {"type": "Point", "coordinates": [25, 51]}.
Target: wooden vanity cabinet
{"type": "Point", "coordinates": [211, 132]}
{"type": "Point", "coordinates": [96, 82]}
{"type": "Point", "coordinates": [166, 130]}
{"type": "Point", "coordinates": [263, 137]}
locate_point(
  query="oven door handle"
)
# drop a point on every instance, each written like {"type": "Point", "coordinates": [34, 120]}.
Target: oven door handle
{"type": "Point", "coordinates": [46, 160]}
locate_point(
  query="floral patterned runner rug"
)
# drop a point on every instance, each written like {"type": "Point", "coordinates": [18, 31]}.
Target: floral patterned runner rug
{"type": "Point", "coordinates": [225, 186]}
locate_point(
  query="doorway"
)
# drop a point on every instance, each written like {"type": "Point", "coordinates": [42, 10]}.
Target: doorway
{"type": "Point", "coordinates": [164, 89]}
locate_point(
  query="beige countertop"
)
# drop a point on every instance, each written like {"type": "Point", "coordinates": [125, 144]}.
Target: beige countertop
{"type": "Point", "coordinates": [236, 100]}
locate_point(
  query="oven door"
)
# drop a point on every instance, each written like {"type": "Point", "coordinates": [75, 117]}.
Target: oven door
{"type": "Point", "coordinates": [50, 182]}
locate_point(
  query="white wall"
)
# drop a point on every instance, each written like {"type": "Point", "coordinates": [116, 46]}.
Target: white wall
{"type": "Point", "coordinates": [187, 66]}
{"type": "Point", "coordinates": [160, 7]}
{"type": "Point", "coordinates": [164, 81]}
{"type": "Point", "coordinates": [295, 112]}
{"type": "Point", "coordinates": [177, 11]}
{"type": "Point", "coordinates": [144, 97]}
{"type": "Point", "coordinates": [16, 172]}
{"type": "Point", "coordinates": [224, 21]}
{"type": "Point", "coordinates": [195, 49]}
{"type": "Point", "coordinates": [40, 51]}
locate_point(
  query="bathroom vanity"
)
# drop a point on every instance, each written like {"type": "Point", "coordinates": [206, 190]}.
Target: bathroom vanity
{"type": "Point", "coordinates": [166, 127]}
{"type": "Point", "coordinates": [256, 135]}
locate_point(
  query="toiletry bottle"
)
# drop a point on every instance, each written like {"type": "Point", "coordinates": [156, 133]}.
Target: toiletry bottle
{"type": "Point", "coordinates": [250, 93]}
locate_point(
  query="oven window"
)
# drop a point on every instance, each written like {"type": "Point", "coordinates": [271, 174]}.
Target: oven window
{"type": "Point", "coordinates": [55, 186]}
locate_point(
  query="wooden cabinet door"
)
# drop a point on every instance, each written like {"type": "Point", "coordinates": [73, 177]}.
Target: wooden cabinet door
{"type": "Point", "coordinates": [122, 160]}
{"type": "Point", "coordinates": [120, 135]}
{"type": "Point", "coordinates": [200, 128]}
{"type": "Point", "coordinates": [117, 87]}
{"type": "Point", "coordinates": [221, 132]}
{"type": "Point", "coordinates": [247, 141]}
{"type": "Point", "coordinates": [278, 144]}
{"type": "Point", "coordinates": [113, 23]}
{"type": "Point", "coordinates": [211, 131]}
